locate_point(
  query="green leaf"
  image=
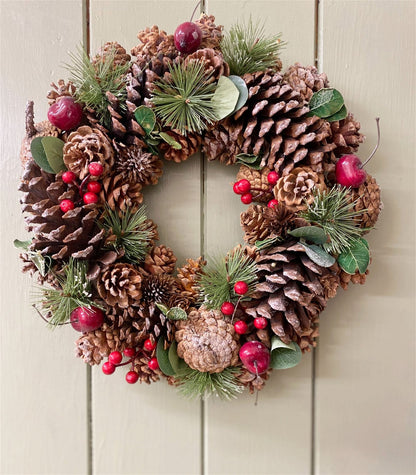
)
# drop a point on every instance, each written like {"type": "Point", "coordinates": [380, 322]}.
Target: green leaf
{"type": "Point", "coordinates": [341, 114]}
{"type": "Point", "coordinates": [267, 242]}
{"type": "Point", "coordinates": [252, 161]}
{"type": "Point", "coordinates": [242, 89]}
{"type": "Point", "coordinates": [176, 313]}
{"type": "Point", "coordinates": [173, 357]}
{"type": "Point", "coordinates": [22, 244]}
{"type": "Point", "coordinates": [357, 257]}
{"type": "Point", "coordinates": [325, 102]}
{"type": "Point", "coordinates": [163, 308]}
{"type": "Point", "coordinates": [146, 118]}
{"type": "Point", "coordinates": [284, 356]}
{"type": "Point", "coordinates": [54, 153]}
{"type": "Point", "coordinates": [162, 356]}
{"type": "Point", "coordinates": [310, 233]}
{"type": "Point", "coordinates": [40, 262]}
{"type": "Point", "coordinates": [225, 98]}
{"type": "Point", "coordinates": [169, 140]}
{"type": "Point", "coordinates": [318, 255]}
{"type": "Point", "coordinates": [39, 155]}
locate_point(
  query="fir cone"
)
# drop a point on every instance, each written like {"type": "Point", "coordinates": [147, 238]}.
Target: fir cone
{"type": "Point", "coordinates": [61, 89]}
{"type": "Point", "coordinates": [260, 187]}
{"type": "Point", "coordinates": [150, 226]}
{"type": "Point", "coordinates": [86, 145]}
{"type": "Point", "coordinates": [135, 165]}
{"type": "Point", "coordinates": [305, 79]}
{"type": "Point", "coordinates": [346, 135]}
{"type": "Point", "coordinates": [114, 49]}
{"type": "Point", "coordinates": [345, 279]}
{"type": "Point", "coordinates": [251, 381]}
{"type": "Point", "coordinates": [296, 190]}
{"type": "Point", "coordinates": [120, 194]}
{"type": "Point", "coordinates": [160, 260]}
{"type": "Point", "coordinates": [188, 277]}
{"type": "Point", "coordinates": [158, 288]}
{"type": "Point", "coordinates": [206, 341]}
{"type": "Point", "coordinates": [211, 33]}
{"type": "Point", "coordinates": [213, 62]}
{"type": "Point", "coordinates": [120, 284]}
{"type": "Point", "coordinates": [141, 367]}
{"type": "Point", "coordinates": [153, 42]}
{"type": "Point", "coordinates": [367, 198]}
{"type": "Point", "coordinates": [154, 324]}
{"type": "Point", "coordinates": [60, 235]}
{"type": "Point", "coordinates": [189, 145]}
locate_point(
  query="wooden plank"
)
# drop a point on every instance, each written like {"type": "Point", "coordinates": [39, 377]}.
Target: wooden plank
{"type": "Point", "coordinates": [154, 423]}
{"type": "Point", "coordinates": [43, 387]}
{"type": "Point", "coordinates": [365, 386]}
{"type": "Point", "coordinates": [275, 436]}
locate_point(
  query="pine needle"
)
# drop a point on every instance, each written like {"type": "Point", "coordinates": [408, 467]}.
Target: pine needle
{"type": "Point", "coordinates": [247, 49]}
{"type": "Point", "coordinates": [184, 102]}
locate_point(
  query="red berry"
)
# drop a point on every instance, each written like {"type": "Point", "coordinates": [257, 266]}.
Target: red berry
{"type": "Point", "coordinates": [65, 114]}
{"type": "Point", "coordinates": [244, 186]}
{"type": "Point", "coordinates": [260, 323]}
{"type": "Point", "coordinates": [132, 377]}
{"type": "Point", "coordinates": [86, 319]}
{"type": "Point", "coordinates": [236, 188]}
{"type": "Point", "coordinates": [108, 368]}
{"type": "Point", "coordinates": [153, 364]}
{"type": "Point", "coordinates": [66, 205]}
{"type": "Point", "coordinates": [89, 198]}
{"type": "Point", "coordinates": [94, 187]}
{"type": "Point", "coordinates": [95, 168]}
{"type": "Point", "coordinates": [129, 352]}
{"type": "Point", "coordinates": [240, 327]}
{"type": "Point", "coordinates": [115, 357]}
{"type": "Point", "coordinates": [187, 37]}
{"type": "Point", "coordinates": [149, 345]}
{"type": "Point", "coordinates": [273, 178]}
{"type": "Point", "coordinates": [227, 308]}
{"type": "Point", "coordinates": [68, 177]}
{"type": "Point", "coordinates": [240, 287]}
{"type": "Point", "coordinates": [247, 198]}
{"type": "Point", "coordinates": [272, 203]}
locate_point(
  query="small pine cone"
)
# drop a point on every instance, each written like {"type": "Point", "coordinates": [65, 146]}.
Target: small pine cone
{"type": "Point", "coordinates": [134, 164]}
{"type": "Point", "coordinates": [188, 275]}
{"type": "Point", "coordinates": [211, 33]}
{"type": "Point", "coordinates": [160, 260]}
{"type": "Point", "coordinates": [153, 323]}
{"type": "Point", "coordinates": [62, 89]}
{"type": "Point", "coordinates": [120, 195]}
{"type": "Point", "coordinates": [153, 42]}
{"type": "Point", "coordinates": [346, 135]}
{"type": "Point", "coordinates": [115, 49]}
{"type": "Point", "coordinates": [220, 143]}
{"type": "Point", "coordinates": [207, 341]}
{"type": "Point", "coordinates": [305, 79]}
{"type": "Point", "coordinates": [213, 62]}
{"type": "Point", "coordinates": [251, 381]}
{"type": "Point", "coordinates": [158, 288]}
{"type": "Point", "coordinates": [189, 143]}
{"type": "Point", "coordinates": [254, 224]}
{"type": "Point", "coordinates": [367, 198]}
{"type": "Point", "coordinates": [51, 276]}
{"type": "Point", "coordinates": [261, 189]}
{"type": "Point", "coordinates": [150, 226]}
{"type": "Point", "coordinates": [296, 189]}
{"type": "Point", "coordinates": [346, 279]}
{"type": "Point", "coordinates": [120, 284]}
{"type": "Point", "coordinates": [86, 145]}
{"type": "Point", "coordinates": [141, 367]}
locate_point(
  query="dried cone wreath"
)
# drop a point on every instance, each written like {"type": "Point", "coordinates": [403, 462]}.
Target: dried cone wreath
{"type": "Point", "coordinates": [208, 327]}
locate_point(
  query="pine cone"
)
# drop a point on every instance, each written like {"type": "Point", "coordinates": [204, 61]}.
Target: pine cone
{"type": "Point", "coordinates": [154, 42]}
{"type": "Point", "coordinates": [345, 279]}
{"type": "Point", "coordinates": [61, 235]}
{"type": "Point", "coordinates": [50, 278]}
{"type": "Point", "coordinates": [120, 194]}
{"type": "Point", "coordinates": [120, 284]}
{"type": "Point", "coordinates": [158, 288]}
{"type": "Point", "coordinates": [296, 189]}
{"type": "Point", "coordinates": [154, 323]}
{"type": "Point", "coordinates": [305, 79]}
{"type": "Point", "coordinates": [213, 62]}
{"type": "Point", "coordinates": [211, 33]}
{"type": "Point", "coordinates": [260, 187]}
{"type": "Point", "coordinates": [150, 226]}
{"type": "Point", "coordinates": [62, 89]}
{"type": "Point", "coordinates": [141, 367]}
{"type": "Point", "coordinates": [86, 145]}
{"type": "Point", "coordinates": [346, 135]}
{"type": "Point", "coordinates": [189, 143]}
{"type": "Point", "coordinates": [112, 48]}
{"type": "Point", "coordinates": [160, 260]}
{"type": "Point", "coordinates": [367, 198]}
{"type": "Point", "coordinates": [206, 341]}
{"type": "Point", "coordinates": [253, 382]}
{"type": "Point", "coordinates": [188, 275]}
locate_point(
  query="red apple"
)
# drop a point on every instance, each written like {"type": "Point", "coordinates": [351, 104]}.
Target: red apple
{"type": "Point", "coordinates": [255, 357]}
{"type": "Point", "coordinates": [86, 319]}
{"type": "Point", "coordinates": [349, 171]}
{"type": "Point", "coordinates": [188, 37]}
{"type": "Point", "coordinates": [65, 113]}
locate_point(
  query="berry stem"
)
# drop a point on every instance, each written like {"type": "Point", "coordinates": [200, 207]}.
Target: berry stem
{"type": "Point", "coordinates": [257, 376]}
{"type": "Point", "coordinates": [377, 144]}
{"type": "Point", "coordinates": [235, 308]}
{"type": "Point", "coordinates": [83, 183]}
{"type": "Point", "coordinates": [195, 9]}
{"type": "Point", "coordinates": [47, 321]}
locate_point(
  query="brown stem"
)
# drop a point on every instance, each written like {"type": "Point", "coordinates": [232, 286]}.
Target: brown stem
{"type": "Point", "coordinates": [193, 13]}
{"type": "Point", "coordinates": [377, 144]}
{"type": "Point", "coordinates": [47, 321]}
{"type": "Point", "coordinates": [30, 120]}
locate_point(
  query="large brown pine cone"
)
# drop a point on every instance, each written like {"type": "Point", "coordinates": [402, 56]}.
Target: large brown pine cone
{"type": "Point", "coordinates": [189, 143]}
{"type": "Point", "coordinates": [260, 187]}
{"type": "Point", "coordinates": [120, 284]}
{"type": "Point", "coordinates": [213, 62]}
{"type": "Point", "coordinates": [160, 260]}
{"type": "Point", "coordinates": [120, 194]}
{"type": "Point", "coordinates": [367, 199]}
{"type": "Point", "coordinates": [305, 79]}
{"type": "Point", "coordinates": [207, 341]}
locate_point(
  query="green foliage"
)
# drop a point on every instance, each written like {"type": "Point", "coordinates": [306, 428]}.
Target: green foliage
{"type": "Point", "coordinates": [93, 80]}
{"type": "Point", "coordinates": [284, 356]}
{"type": "Point", "coordinates": [356, 258]}
{"type": "Point", "coordinates": [225, 97]}
{"type": "Point", "coordinates": [247, 49]}
{"type": "Point", "coordinates": [318, 255]}
{"type": "Point", "coordinates": [250, 160]}
{"type": "Point", "coordinates": [328, 103]}
{"type": "Point", "coordinates": [334, 212]}
{"type": "Point", "coordinates": [184, 102]}
{"type": "Point", "coordinates": [129, 231]}
{"type": "Point", "coordinates": [162, 356]}
{"type": "Point", "coordinates": [217, 279]}
{"type": "Point", "coordinates": [194, 384]}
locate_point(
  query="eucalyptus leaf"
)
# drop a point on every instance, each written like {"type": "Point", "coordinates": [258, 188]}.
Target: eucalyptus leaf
{"type": "Point", "coordinates": [318, 255]}
{"type": "Point", "coordinates": [40, 262]}
{"type": "Point", "coordinates": [252, 161]}
{"type": "Point", "coordinates": [311, 233]}
{"type": "Point", "coordinates": [39, 155]}
{"type": "Point", "coordinates": [163, 308]}
{"type": "Point", "coordinates": [357, 257]}
{"type": "Point", "coordinates": [22, 244]}
{"type": "Point", "coordinates": [169, 140]}
{"type": "Point", "coordinates": [341, 114]}
{"type": "Point", "coordinates": [145, 118]}
{"type": "Point", "coordinates": [176, 313]}
{"type": "Point", "coordinates": [225, 97]}
{"type": "Point", "coordinates": [173, 357]}
{"type": "Point", "coordinates": [242, 89]}
{"type": "Point", "coordinates": [325, 102]}
{"type": "Point", "coordinates": [284, 356]}
{"type": "Point", "coordinates": [162, 356]}
{"type": "Point", "coordinates": [54, 153]}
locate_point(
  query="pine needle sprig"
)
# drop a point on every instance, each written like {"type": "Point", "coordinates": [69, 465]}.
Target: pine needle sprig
{"type": "Point", "coordinates": [128, 231]}
{"type": "Point", "coordinates": [216, 280]}
{"type": "Point", "coordinates": [334, 212]}
{"type": "Point", "coordinates": [247, 49]}
{"type": "Point", "coordinates": [184, 101]}
{"type": "Point", "coordinates": [75, 292]}
{"type": "Point", "coordinates": [194, 384]}
{"type": "Point", "coordinates": [94, 79]}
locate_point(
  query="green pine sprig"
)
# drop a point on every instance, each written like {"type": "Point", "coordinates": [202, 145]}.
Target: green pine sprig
{"type": "Point", "coordinates": [334, 212]}
{"type": "Point", "coordinates": [247, 49]}
{"type": "Point", "coordinates": [216, 280]}
{"type": "Point", "coordinates": [94, 79]}
{"type": "Point", "coordinates": [194, 384]}
{"type": "Point", "coordinates": [184, 101]}
{"type": "Point", "coordinates": [128, 231]}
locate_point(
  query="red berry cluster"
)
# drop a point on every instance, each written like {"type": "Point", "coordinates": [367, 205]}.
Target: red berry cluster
{"type": "Point", "coordinates": [243, 187]}
{"type": "Point", "coordinates": [115, 360]}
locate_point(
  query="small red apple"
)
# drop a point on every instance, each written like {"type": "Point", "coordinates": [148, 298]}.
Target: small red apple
{"type": "Point", "coordinates": [187, 37]}
{"type": "Point", "coordinates": [66, 114]}
{"type": "Point", "coordinates": [86, 319]}
{"type": "Point", "coordinates": [255, 357]}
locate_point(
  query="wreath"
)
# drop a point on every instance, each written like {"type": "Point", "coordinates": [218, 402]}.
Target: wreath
{"type": "Point", "coordinates": [214, 327]}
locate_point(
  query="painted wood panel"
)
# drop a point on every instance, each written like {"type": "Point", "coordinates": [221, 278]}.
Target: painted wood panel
{"type": "Point", "coordinates": [43, 387]}
{"type": "Point", "coordinates": [365, 383]}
